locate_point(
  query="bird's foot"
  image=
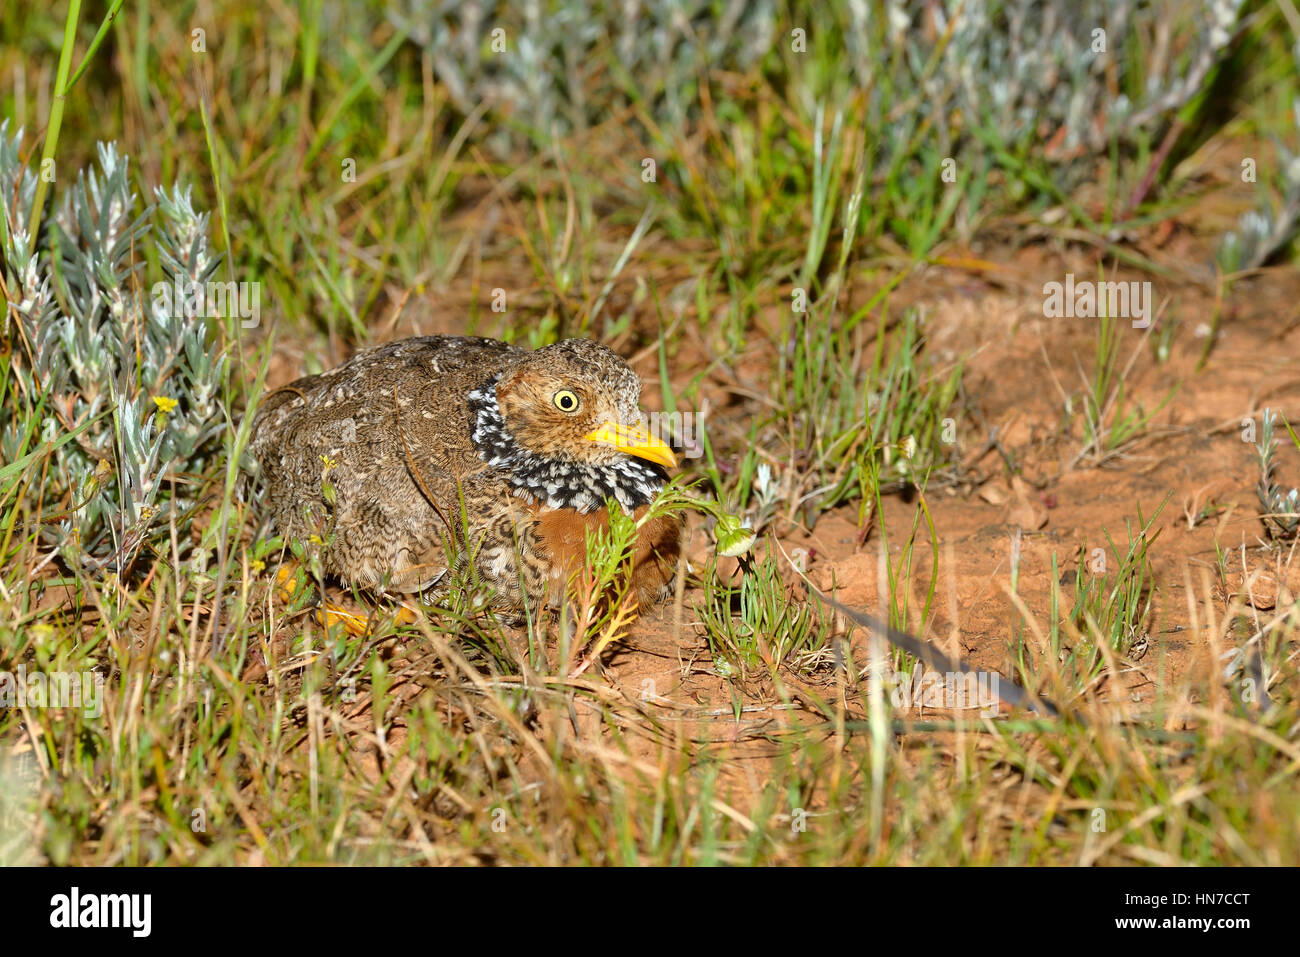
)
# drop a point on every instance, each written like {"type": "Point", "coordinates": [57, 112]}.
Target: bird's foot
{"type": "Point", "coordinates": [358, 626]}
{"type": "Point", "coordinates": [329, 614]}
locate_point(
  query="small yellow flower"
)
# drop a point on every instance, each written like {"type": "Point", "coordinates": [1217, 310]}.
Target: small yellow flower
{"type": "Point", "coordinates": [165, 405]}
{"type": "Point", "coordinates": [257, 566]}
{"type": "Point", "coordinates": [315, 539]}
{"type": "Point", "coordinates": [329, 463]}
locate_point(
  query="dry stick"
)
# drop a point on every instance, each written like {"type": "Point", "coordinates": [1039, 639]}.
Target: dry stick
{"type": "Point", "coordinates": [679, 608]}
{"type": "Point", "coordinates": [1011, 692]}
{"type": "Point", "coordinates": [1162, 153]}
{"type": "Point", "coordinates": [397, 310]}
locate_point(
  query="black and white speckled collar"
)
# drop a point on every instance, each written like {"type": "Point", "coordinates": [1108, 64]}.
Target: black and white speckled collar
{"type": "Point", "coordinates": [558, 483]}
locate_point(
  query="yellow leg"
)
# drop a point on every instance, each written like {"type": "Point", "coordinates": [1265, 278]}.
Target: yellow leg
{"type": "Point", "coordinates": [329, 614]}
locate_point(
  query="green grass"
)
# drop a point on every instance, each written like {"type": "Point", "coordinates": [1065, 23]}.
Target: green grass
{"type": "Point", "coordinates": [1112, 421]}
{"type": "Point", "coordinates": [756, 626]}
{"type": "Point", "coordinates": [343, 176]}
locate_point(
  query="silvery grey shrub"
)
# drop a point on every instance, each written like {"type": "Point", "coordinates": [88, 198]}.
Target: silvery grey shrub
{"type": "Point", "coordinates": [92, 353]}
{"type": "Point", "coordinates": [1264, 230]}
{"type": "Point", "coordinates": [958, 78]}
{"type": "Point", "coordinates": [1016, 67]}
{"type": "Point", "coordinates": [554, 51]}
{"type": "Point", "coordinates": [1281, 510]}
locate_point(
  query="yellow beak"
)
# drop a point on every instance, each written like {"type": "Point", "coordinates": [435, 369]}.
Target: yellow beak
{"type": "Point", "coordinates": [635, 440]}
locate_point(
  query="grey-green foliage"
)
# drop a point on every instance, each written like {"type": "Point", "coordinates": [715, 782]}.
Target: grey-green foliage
{"type": "Point", "coordinates": [94, 345]}
{"type": "Point", "coordinates": [1263, 231]}
{"type": "Point", "coordinates": [554, 75]}
{"type": "Point", "coordinates": [1029, 65]}
{"type": "Point", "coordinates": [1281, 509]}
{"type": "Point", "coordinates": [1024, 67]}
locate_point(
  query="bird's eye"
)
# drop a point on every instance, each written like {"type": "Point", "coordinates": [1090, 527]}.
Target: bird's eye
{"type": "Point", "coordinates": [566, 401]}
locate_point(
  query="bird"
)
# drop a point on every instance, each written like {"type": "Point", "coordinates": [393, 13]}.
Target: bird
{"type": "Point", "coordinates": [431, 454]}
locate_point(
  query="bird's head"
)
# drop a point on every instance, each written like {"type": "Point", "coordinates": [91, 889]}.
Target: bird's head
{"type": "Point", "coordinates": [578, 400]}
{"type": "Point", "coordinates": [566, 424]}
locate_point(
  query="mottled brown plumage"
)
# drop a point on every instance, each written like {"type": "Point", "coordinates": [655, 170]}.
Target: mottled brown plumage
{"type": "Point", "coordinates": [449, 444]}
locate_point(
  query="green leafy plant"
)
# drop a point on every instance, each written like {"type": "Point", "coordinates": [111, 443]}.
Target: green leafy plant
{"type": "Point", "coordinates": [1111, 421]}
{"type": "Point", "coordinates": [1115, 608]}
{"type": "Point", "coordinates": [756, 626]}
